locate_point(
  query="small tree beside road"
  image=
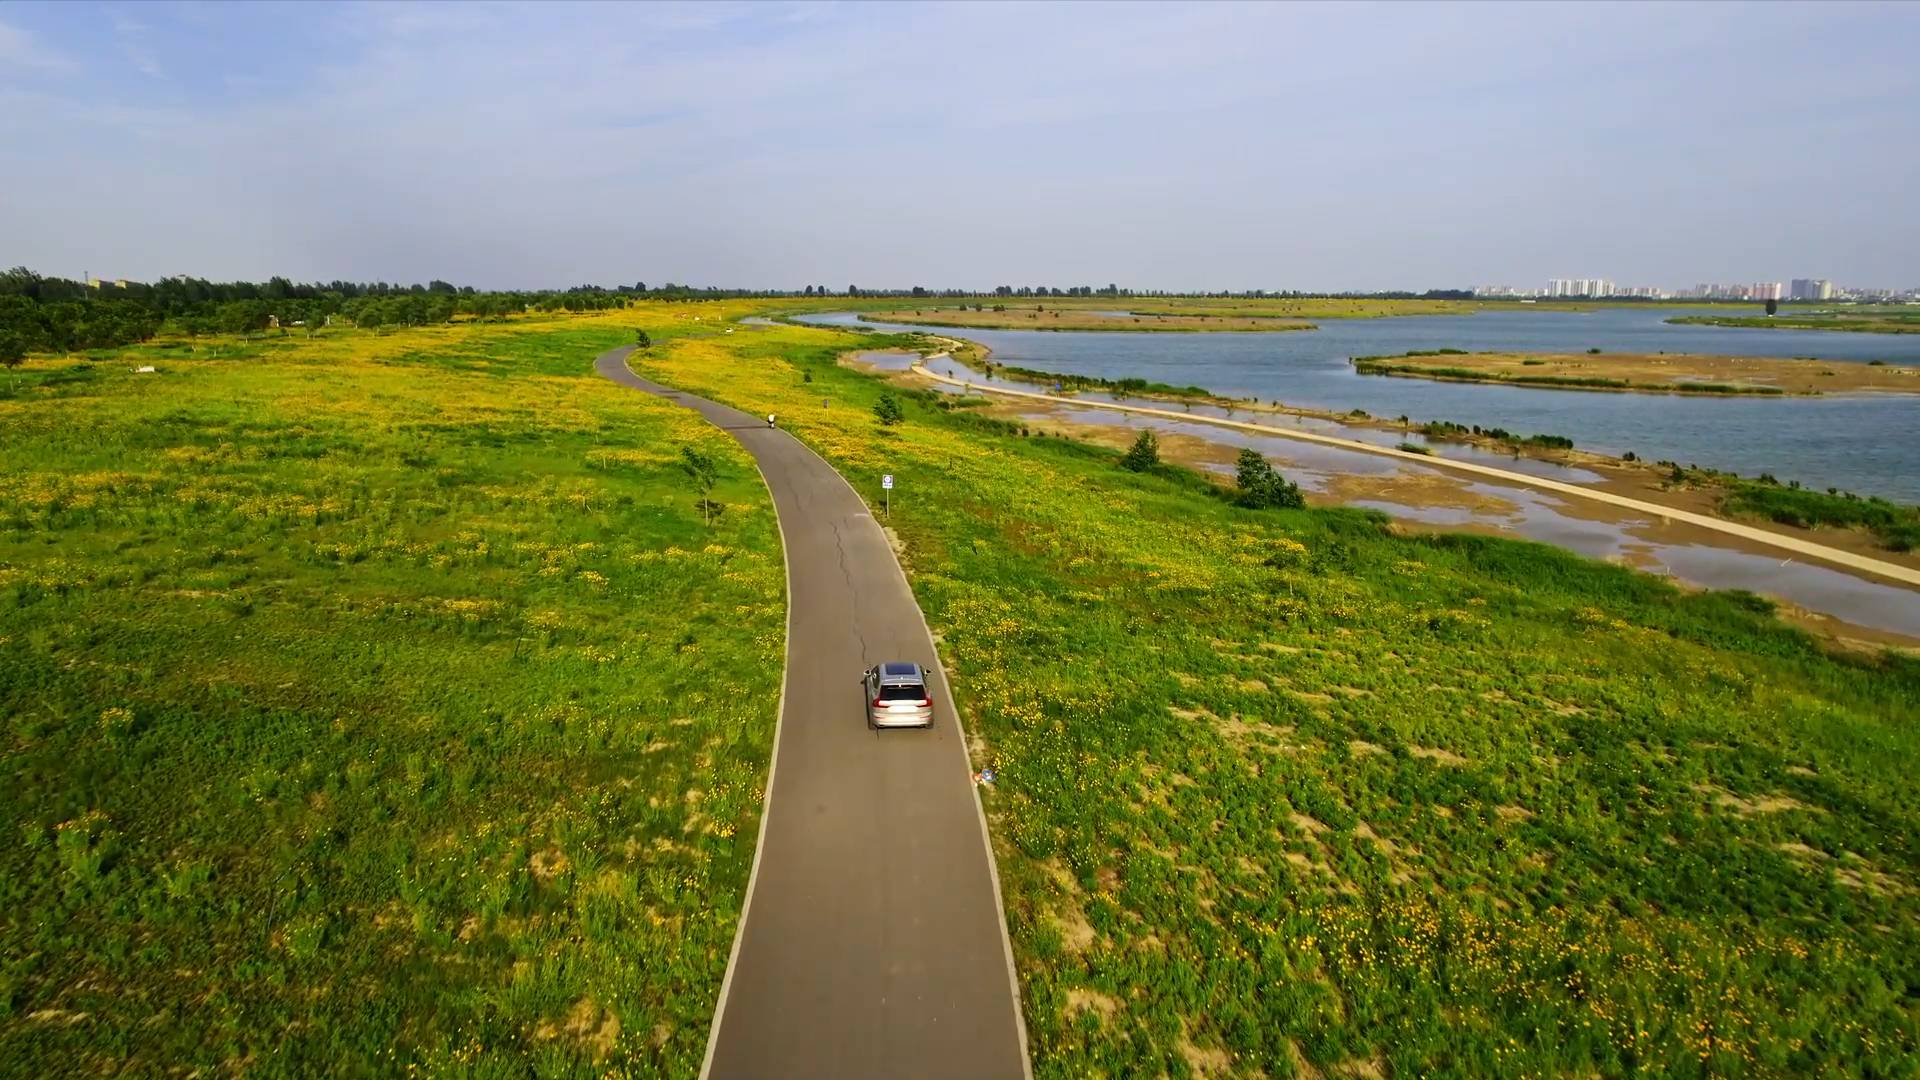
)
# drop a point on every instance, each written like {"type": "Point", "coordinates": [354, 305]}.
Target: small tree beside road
{"type": "Point", "coordinates": [641, 340]}
{"type": "Point", "coordinates": [701, 469]}
{"type": "Point", "coordinates": [1261, 487]}
{"type": "Point", "coordinates": [888, 411]}
{"type": "Point", "coordinates": [1144, 454]}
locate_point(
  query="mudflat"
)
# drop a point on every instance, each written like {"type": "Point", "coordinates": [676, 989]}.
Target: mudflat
{"type": "Point", "coordinates": [1655, 373]}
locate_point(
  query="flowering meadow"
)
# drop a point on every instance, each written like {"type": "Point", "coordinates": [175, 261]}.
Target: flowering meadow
{"type": "Point", "coordinates": [1286, 793]}
{"type": "Point", "coordinates": [374, 703]}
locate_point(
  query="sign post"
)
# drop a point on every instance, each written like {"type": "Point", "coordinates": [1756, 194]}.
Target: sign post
{"type": "Point", "coordinates": [886, 494]}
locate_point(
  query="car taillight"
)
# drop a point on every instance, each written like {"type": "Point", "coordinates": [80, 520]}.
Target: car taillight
{"type": "Point", "coordinates": [879, 704]}
{"type": "Point", "coordinates": [925, 703]}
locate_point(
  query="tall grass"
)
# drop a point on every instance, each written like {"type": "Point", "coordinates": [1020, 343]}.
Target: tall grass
{"type": "Point", "coordinates": [1283, 789]}
{"type": "Point", "coordinates": [1897, 527]}
{"type": "Point", "coordinates": [372, 705]}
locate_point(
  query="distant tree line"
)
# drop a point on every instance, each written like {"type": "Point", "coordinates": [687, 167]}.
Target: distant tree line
{"type": "Point", "coordinates": [52, 314]}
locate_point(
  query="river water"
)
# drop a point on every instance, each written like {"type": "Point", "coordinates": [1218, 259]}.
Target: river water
{"type": "Point", "coordinates": [1865, 443]}
{"type": "Point", "coordinates": [1651, 545]}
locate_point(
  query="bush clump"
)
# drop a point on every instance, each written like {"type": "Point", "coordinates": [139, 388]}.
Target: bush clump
{"type": "Point", "coordinates": [1261, 487]}
{"type": "Point", "coordinates": [1144, 454]}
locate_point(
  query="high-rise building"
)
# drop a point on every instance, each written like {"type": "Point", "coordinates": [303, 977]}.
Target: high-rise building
{"type": "Point", "coordinates": [1767, 290]}
{"type": "Point", "coordinates": [1810, 289]}
{"type": "Point", "coordinates": [1582, 287]}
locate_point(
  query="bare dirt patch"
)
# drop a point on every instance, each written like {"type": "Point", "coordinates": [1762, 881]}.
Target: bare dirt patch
{"type": "Point", "coordinates": [1076, 933]}
{"type": "Point", "coordinates": [1205, 1061]}
{"type": "Point", "coordinates": [549, 864]}
{"type": "Point", "coordinates": [1421, 488]}
{"type": "Point", "coordinates": [1435, 754]}
{"type": "Point", "coordinates": [1310, 825]}
{"type": "Point", "coordinates": [1361, 747]}
{"type": "Point", "coordinates": [1373, 1068]}
{"type": "Point", "coordinates": [1761, 804]}
{"type": "Point", "coordinates": [587, 1024]}
{"type": "Point", "coordinates": [1102, 1005]}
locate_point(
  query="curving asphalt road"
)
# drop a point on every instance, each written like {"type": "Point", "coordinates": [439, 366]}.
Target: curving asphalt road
{"type": "Point", "coordinates": [873, 943]}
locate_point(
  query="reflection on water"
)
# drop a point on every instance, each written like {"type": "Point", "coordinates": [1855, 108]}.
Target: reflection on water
{"type": "Point", "coordinates": [1508, 509]}
{"type": "Point", "coordinates": [1858, 442]}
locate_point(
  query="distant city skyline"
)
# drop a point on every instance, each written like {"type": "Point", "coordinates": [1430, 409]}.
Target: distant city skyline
{"type": "Point", "coordinates": [1808, 289]}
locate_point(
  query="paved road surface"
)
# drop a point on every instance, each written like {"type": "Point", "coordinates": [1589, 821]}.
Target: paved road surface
{"type": "Point", "coordinates": [873, 944]}
{"type": "Point", "coordinates": [1848, 559]}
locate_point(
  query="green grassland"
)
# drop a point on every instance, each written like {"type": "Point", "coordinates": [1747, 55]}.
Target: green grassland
{"type": "Point", "coordinates": [1897, 527]}
{"type": "Point", "coordinates": [383, 702]}
{"type": "Point", "coordinates": [1376, 365]}
{"type": "Point", "coordinates": [372, 705]}
{"type": "Point", "coordinates": [1283, 791]}
{"type": "Point", "coordinates": [1864, 319]}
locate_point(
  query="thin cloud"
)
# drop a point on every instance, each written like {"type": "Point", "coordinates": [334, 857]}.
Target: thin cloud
{"type": "Point", "coordinates": [22, 51]}
{"type": "Point", "coordinates": [1157, 146]}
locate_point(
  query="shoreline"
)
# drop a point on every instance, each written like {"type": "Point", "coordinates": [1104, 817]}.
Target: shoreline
{"type": "Point", "coordinates": [1615, 501]}
{"type": "Point", "coordinates": [1624, 472]}
{"type": "Point", "coordinates": [894, 318]}
{"type": "Point", "coordinates": [1908, 575]}
{"type": "Point", "coordinates": [1696, 374]}
{"type": "Point", "coordinates": [1762, 322]}
{"type": "Point", "coordinates": [1435, 491]}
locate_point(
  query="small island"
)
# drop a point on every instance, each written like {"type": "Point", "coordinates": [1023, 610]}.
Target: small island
{"type": "Point", "coordinates": [1661, 373]}
{"type": "Point", "coordinates": [1045, 316]}
{"type": "Point", "coordinates": [1867, 319]}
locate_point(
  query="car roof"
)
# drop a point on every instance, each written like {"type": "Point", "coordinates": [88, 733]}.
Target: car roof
{"type": "Point", "coordinates": [899, 671]}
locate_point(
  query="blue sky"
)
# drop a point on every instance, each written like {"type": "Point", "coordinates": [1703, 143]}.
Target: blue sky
{"type": "Point", "coordinates": [1179, 146]}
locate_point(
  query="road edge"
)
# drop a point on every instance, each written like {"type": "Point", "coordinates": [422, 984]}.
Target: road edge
{"type": "Point", "coordinates": [773, 758]}
{"type": "Point", "coordinates": [620, 356]}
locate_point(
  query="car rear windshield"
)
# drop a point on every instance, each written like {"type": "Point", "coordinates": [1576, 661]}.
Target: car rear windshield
{"type": "Point", "coordinates": [903, 693]}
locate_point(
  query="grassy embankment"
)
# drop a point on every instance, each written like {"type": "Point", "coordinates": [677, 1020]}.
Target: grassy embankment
{"type": "Point", "coordinates": [1897, 527]}
{"type": "Point", "coordinates": [374, 702]}
{"type": "Point", "coordinates": [1864, 319]}
{"type": "Point", "coordinates": [1280, 789]}
{"type": "Point", "coordinates": [1292, 308]}
{"type": "Point", "coordinates": [1435, 429]}
{"type": "Point", "coordinates": [1452, 370]}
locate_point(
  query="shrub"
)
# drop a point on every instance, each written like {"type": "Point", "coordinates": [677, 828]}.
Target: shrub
{"type": "Point", "coordinates": [1144, 454]}
{"type": "Point", "coordinates": [704, 472]}
{"type": "Point", "coordinates": [1263, 488]}
{"type": "Point", "coordinates": [888, 411]}
{"type": "Point", "coordinates": [1415, 448]}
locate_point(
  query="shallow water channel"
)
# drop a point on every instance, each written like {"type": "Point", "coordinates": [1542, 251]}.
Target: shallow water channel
{"type": "Point", "coordinates": [1510, 509]}
{"type": "Point", "coordinates": [1864, 443]}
